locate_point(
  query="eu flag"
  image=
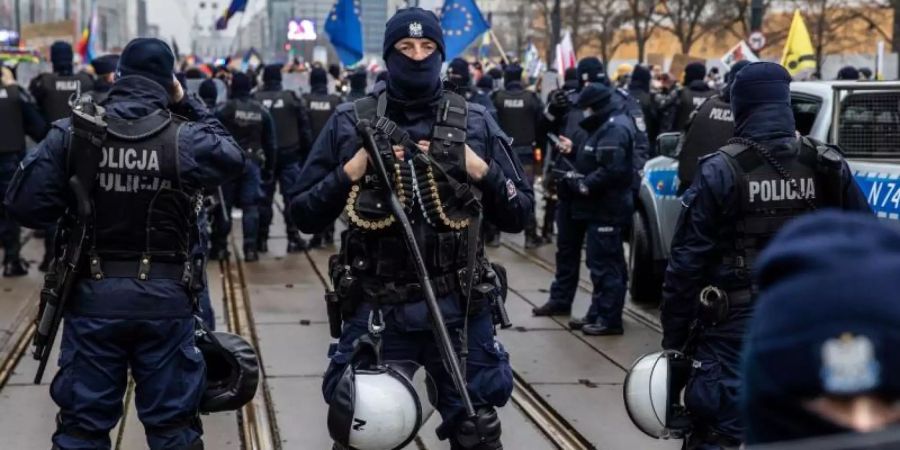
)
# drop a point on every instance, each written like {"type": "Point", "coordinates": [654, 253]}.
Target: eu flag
{"type": "Point", "coordinates": [234, 7]}
{"type": "Point", "coordinates": [345, 31]}
{"type": "Point", "coordinates": [462, 23]}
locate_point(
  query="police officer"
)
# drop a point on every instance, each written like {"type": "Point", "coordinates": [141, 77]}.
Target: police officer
{"type": "Point", "coordinates": [562, 118]}
{"type": "Point", "coordinates": [105, 70]}
{"type": "Point", "coordinates": [336, 172]}
{"type": "Point", "coordinates": [293, 136]}
{"type": "Point", "coordinates": [519, 114]}
{"type": "Point", "coordinates": [709, 128]}
{"type": "Point", "coordinates": [208, 92]}
{"type": "Point", "coordinates": [321, 106]}
{"type": "Point", "coordinates": [740, 197]}
{"type": "Point", "coordinates": [682, 102]}
{"type": "Point", "coordinates": [482, 93]}
{"type": "Point", "coordinates": [119, 322]}
{"type": "Point", "coordinates": [826, 366]}
{"type": "Point", "coordinates": [358, 80]}
{"type": "Point", "coordinates": [639, 89]}
{"type": "Point", "coordinates": [253, 129]}
{"type": "Point", "coordinates": [51, 92]}
{"type": "Point", "coordinates": [596, 203]}
{"type": "Point", "coordinates": [18, 117]}
{"type": "Point", "coordinates": [848, 73]}
{"type": "Point", "coordinates": [460, 81]}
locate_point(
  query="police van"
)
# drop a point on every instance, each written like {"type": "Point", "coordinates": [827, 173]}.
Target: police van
{"type": "Point", "coordinates": [862, 117]}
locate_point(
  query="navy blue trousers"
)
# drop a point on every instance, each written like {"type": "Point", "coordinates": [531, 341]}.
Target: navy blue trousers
{"type": "Point", "coordinates": [605, 259]}
{"type": "Point", "coordinates": [488, 372]}
{"type": "Point", "coordinates": [286, 176]}
{"type": "Point", "coordinates": [96, 354]}
{"type": "Point", "coordinates": [10, 231]}
{"type": "Point", "coordinates": [245, 192]}
{"type": "Point", "coordinates": [712, 392]}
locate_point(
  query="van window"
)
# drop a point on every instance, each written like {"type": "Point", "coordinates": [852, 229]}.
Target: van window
{"type": "Point", "coordinates": [869, 124]}
{"type": "Point", "coordinates": [806, 108]}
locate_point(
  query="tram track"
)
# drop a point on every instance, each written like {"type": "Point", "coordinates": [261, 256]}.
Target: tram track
{"type": "Point", "coordinates": [543, 416]}
{"type": "Point", "coordinates": [257, 427]}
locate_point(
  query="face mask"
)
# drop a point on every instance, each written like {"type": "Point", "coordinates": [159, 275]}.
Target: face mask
{"type": "Point", "coordinates": [410, 79]}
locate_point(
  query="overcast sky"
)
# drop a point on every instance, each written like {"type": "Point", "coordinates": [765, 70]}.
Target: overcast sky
{"type": "Point", "coordinates": [174, 17]}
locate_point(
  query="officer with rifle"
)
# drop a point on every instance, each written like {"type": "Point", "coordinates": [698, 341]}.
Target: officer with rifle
{"type": "Point", "coordinates": [449, 163]}
{"type": "Point", "coordinates": [19, 117]}
{"type": "Point", "coordinates": [125, 183]}
{"type": "Point", "coordinates": [292, 133]}
{"type": "Point", "coordinates": [740, 197]}
{"type": "Point", "coordinates": [51, 93]}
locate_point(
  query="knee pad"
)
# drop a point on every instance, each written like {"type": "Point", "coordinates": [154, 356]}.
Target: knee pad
{"type": "Point", "coordinates": [481, 432]}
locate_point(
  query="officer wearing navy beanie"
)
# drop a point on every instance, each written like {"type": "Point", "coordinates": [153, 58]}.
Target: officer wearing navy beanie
{"type": "Point", "coordinates": [105, 70]}
{"type": "Point", "coordinates": [741, 196]}
{"type": "Point", "coordinates": [51, 92]}
{"type": "Point", "coordinates": [821, 352]}
{"type": "Point", "coordinates": [465, 143]}
{"type": "Point", "coordinates": [519, 115]}
{"type": "Point", "coordinates": [682, 102]}
{"type": "Point", "coordinates": [293, 136]}
{"type": "Point", "coordinates": [460, 81]}
{"type": "Point", "coordinates": [131, 311]}
{"type": "Point", "coordinates": [320, 105]}
{"type": "Point", "coordinates": [563, 118]}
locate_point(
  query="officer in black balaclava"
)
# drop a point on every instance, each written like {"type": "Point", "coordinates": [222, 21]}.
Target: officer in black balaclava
{"type": "Point", "coordinates": [709, 128]}
{"type": "Point", "coordinates": [105, 70]}
{"type": "Point", "coordinates": [496, 74]}
{"type": "Point", "coordinates": [740, 197]}
{"type": "Point", "coordinates": [254, 130]}
{"type": "Point", "coordinates": [374, 266]}
{"type": "Point", "coordinates": [482, 94]}
{"type": "Point", "coordinates": [51, 93]}
{"type": "Point", "coordinates": [131, 313]}
{"type": "Point", "coordinates": [19, 117]}
{"type": "Point", "coordinates": [519, 114]}
{"type": "Point", "coordinates": [358, 79]}
{"type": "Point", "coordinates": [292, 133]}
{"type": "Point", "coordinates": [682, 102]}
{"type": "Point", "coordinates": [320, 105]}
{"type": "Point", "coordinates": [459, 80]}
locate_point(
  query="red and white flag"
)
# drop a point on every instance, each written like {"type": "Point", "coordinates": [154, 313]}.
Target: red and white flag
{"type": "Point", "coordinates": [740, 52]}
{"type": "Point", "coordinates": [565, 54]}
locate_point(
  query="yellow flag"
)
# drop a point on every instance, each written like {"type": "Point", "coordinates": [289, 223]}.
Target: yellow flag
{"type": "Point", "coordinates": [798, 49]}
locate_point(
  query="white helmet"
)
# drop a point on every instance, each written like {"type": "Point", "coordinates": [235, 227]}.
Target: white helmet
{"type": "Point", "coordinates": [380, 407]}
{"type": "Point", "coordinates": [653, 394]}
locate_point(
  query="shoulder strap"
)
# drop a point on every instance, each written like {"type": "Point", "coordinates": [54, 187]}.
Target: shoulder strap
{"type": "Point", "coordinates": [734, 149]}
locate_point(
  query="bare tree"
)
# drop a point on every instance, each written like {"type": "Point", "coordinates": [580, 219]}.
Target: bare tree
{"type": "Point", "coordinates": [689, 20]}
{"type": "Point", "coordinates": [603, 21]}
{"type": "Point", "coordinates": [643, 21]}
{"type": "Point", "coordinates": [827, 21]}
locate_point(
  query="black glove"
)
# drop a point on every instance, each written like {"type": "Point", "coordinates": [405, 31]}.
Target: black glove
{"type": "Point", "coordinates": [576, 186]}
{"type": "Point", "coordinates": [559, 103]}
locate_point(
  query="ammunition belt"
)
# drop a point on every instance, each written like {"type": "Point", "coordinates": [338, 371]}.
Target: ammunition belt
{"type": "Point", "coordinates": [428, 192]}
{"type": "Point", "coordinates": [402, 178]}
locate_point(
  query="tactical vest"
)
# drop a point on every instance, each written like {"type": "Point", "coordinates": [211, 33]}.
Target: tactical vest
{"type": "Point", "coordinates": [12, 124]}
{"type": "Point", "coordinates": [768, 200]}
{"type": "Point", "coordinates": [57, 90]}
{"type": "Point", "coordinates": [283, 106]}
{"type": "Point", "coordinates": [437, 183]}
{"type": "Point", "coordinates": [141, 208]}
{"type": "Point", "coordinates": [710, 128]}
{"type": "Point", "coordinates": [690, 100]}
{"type": "Point", "coordinates": [516, 111]}
{"type": "Point", "coordinates": [320, 107]}
{"type": "Point", "coordinates": [244, 119]}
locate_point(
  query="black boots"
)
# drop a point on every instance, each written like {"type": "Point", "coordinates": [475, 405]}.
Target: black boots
{"type": "Point", "coordinates": [15, 268]}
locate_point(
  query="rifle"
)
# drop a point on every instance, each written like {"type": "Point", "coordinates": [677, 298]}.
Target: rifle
{"type": "Point", "coordinates": [366, 132]}
{"type": "Point", "coordinates": [88, 134]}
